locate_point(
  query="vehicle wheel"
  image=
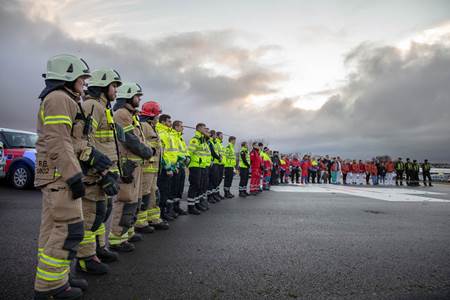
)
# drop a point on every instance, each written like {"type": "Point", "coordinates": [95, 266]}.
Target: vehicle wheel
{"type": "Point", "coordinates": [21, 176]}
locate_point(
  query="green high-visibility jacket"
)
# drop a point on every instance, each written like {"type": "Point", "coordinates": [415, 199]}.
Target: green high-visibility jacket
{"type": "Point", "coordinates": [399, 166]}
{"type": "Point", "coordinates": [230, 156]}
{"type": "Point", "coordinates": [219, 150]}
{"type": "Point", "coordinates": [198, 150]}
{"type": "Point", "coordinates": [246, 154]}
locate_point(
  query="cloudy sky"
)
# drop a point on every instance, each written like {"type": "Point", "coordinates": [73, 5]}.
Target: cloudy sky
{"type": "Point", "coordinates": [354, 78]}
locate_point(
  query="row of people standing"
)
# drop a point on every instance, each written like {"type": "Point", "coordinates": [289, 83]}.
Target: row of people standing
{"type": "Point", "coordinates": [335, 170]}
{"type": "Point", "coordinates": [99, 163]}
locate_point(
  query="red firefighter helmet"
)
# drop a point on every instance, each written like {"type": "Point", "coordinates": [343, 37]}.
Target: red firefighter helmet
{"type": "Point", "coordinates": [150, 109]}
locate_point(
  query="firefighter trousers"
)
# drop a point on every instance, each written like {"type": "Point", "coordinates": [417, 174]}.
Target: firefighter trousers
{"type": "Point", "coordinates": [124, 215]}
{"type": "Point", "coordinates": [94, 213]}
{"type": "Point", "coordinates": [61, 231]}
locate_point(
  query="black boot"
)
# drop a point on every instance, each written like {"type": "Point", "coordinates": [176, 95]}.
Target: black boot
{"type": "Point", "coordinates": [123, 247]}
{"type": "Point", "coordinates": [67, 293]}
{"type": "Point", "coordinates": [145, 229]}
{"type": "Point", "coordinates": [200, 207]}
{"type": "Point", "coordinates": [204, 203]}
{"type": "Point", "coordinates": [216, 197]}
{"type": "Point", "coordinates": [246, 193]}
{"type": "Point", "coordinates": [170, 212]}
{"type": "Point", "coordinates": [92, 265]}
{"type": "Point", "coordinates": [106, 256]}
{"type": "Point", "coordinates": [193, 210]}
{"type": "Point", "coordinates": [242, 194]}
{"type": "Point", "coordinates": [78, 282]}
{"type": "Point", "coordinates": [178, 209]}
{"type": "Point", "coordinates": [211, 199]}
{"type": "Point", "coordinates": [228, 195]}
{"type": "Point", "coordinates": [165, 215]}
{"type": "Point", "coordinates": [137, 237]}
{"type": "Point", "coordinates": [161, 226]}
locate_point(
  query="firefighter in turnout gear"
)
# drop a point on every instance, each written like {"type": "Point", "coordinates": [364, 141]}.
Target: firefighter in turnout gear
{"type": "Point", "coordinates": [230, 164]}
{"type": "Point", "coordinates": [244, 166]}
{"type": "Point", "coordinates": [149, 215]}
{"type": "Point", "coordinates": [132, 152]}
{"type": "Point", "coordinates": [100, 188]}
{"type": "Point", "coordinates": [61, 148]}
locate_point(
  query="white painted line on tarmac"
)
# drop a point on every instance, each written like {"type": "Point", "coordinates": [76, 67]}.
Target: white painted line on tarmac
{"type": "Point", "coordinates": [382, 193]}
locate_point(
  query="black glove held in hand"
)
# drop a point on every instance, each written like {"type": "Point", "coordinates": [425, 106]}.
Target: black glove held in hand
{"type": "Point", "coordinates": [109, 184]}
{"type": "Point", "coordinates": [76, 185]}
{"type": "Point", "coordinates": [99, 161]}
{"type": "Point", "coordinates": [127, 171]}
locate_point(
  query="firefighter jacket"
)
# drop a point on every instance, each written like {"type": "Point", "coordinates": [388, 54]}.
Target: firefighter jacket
{"type": "Point", "coordinates": [198, 151]}
{"type": "Point", "coordinates": [152, 140]}
{"type": "Point", "coordinates": [103, 130]}
{"type": "Point", "coordinates": [132, 144]}
{"type": "Point", "coordinates": [61, 142]}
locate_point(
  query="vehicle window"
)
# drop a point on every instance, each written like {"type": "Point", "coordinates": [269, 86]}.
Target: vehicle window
{"type": "Point", "coordinates": [20, 140]}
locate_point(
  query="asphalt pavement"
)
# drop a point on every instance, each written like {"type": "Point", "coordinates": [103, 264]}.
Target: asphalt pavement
{"type": "Point", "coordinates": [279, 245]}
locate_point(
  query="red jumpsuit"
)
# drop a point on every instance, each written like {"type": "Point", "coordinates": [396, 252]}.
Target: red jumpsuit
{"type": "Point", "coordinates": [255, 165]}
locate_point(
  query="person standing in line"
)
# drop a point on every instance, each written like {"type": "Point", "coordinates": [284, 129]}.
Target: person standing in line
{"type": "Point", "coordinates": [230, 164]}
{"type": "Point", "coordinates": [255, 167]}
{"type": "Point", "coordinates": [244, 166]}
{"type": "Point", "coordinates": [399, 169]}
{"type": "Point", "coordinates": [426, 173]}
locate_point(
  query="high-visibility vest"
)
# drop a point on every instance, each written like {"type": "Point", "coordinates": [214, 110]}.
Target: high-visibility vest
{"type": "Point", "coordinates": [246, 154]}
{"type": "Point", "coordinates": [230, 156]}
{"type": "Point", "coordinates": [197, 151]}
{"type": "Point", "coordinates": [169, 145]}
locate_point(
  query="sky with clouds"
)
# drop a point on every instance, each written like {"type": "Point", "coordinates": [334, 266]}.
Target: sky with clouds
{"type": "Point", "coordinates": [330, 77]}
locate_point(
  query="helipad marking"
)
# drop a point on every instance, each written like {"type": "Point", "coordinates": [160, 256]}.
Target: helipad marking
{"type": "Point", "coordinates": [382, 193]}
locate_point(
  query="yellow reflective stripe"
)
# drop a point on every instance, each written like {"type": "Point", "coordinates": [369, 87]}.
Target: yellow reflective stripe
{"type": "Point", "coordinates": [53, 262]}
{"type": "Point", "coordinates": [117, 239]}
{"type": "Point", "coordinates": [51, 276]}
{"type": "Point", "coordinates": [142, 218]}
{"type": "Point", "coordinates": [57, 119]}
{"type": "Point", "coordinates": [128, 128]}
{"type": "Point", "coordinates": [42, 114]}
{"type": "Point", "coordinates": [89, 238]}
{"type": "Point", "coordinates": [150, 170]}
{"type": "Point", "coordinates": [101, 230]}
{"type": "Point", "coordinates": [104, 133]}
{"type": "Point", "coordinates": [95, 123]}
